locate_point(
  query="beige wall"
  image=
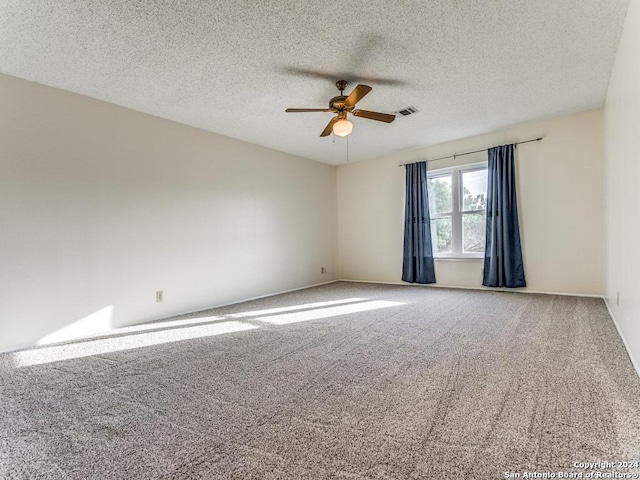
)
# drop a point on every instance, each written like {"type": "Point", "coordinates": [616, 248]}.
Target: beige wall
{"type": "Point", "coordinates": [101, 206]}
{"type": "Point", "coordinates": [560, 205]}
{"type": "Point", "coordinates": [622, 173]}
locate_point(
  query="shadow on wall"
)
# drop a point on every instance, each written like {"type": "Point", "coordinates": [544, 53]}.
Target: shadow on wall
{"type": "Point", "coordinates": [98, 324]}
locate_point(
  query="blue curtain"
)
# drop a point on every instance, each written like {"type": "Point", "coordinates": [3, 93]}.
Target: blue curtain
{"type": "Point", "coordinates": [503, 265]}
{"type": "Point", "coordinates": [417, 263]}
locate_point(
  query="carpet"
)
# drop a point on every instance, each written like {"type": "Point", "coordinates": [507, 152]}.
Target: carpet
{"type": "Point", "coordinates": [342, 381]}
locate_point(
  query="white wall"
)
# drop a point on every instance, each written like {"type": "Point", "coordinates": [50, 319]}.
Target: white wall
{"type": "Point", "coordinates": [101, 206]}
{"type": "Point", "coordinates": [622, 191]}
{"type": "Point", "coordinates": [560, 206]}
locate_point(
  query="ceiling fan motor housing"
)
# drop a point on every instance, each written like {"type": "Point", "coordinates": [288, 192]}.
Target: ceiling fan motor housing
{"type": "Point", "coordinates": [337, 103]}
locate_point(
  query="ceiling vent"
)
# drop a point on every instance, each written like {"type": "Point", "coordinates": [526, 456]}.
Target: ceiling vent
{"type": "Point", "coordinates": [404, 112]}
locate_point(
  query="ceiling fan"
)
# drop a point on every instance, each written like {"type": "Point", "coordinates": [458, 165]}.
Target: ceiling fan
{"type": "Point", "coordinates": [341, 105]}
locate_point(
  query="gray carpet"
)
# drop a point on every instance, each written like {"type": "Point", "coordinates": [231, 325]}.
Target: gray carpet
{"type": "Point", "coordinates": [421, 383]}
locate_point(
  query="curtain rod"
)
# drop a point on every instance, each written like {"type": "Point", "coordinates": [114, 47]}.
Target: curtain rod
{"type": "Point", "coordinates": [467, 153]}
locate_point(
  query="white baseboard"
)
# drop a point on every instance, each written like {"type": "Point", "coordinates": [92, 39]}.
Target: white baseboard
{"type": "Point", "coordinates": [486, 289]}
{"type": "Point", "coordinates": [635, 364]}
{"type": "Point", "coordinates": [219, 305]}
{"type": "Point", "coordinates": [250, 299]}
{"type": "Point", "coordinates": [16, 348]}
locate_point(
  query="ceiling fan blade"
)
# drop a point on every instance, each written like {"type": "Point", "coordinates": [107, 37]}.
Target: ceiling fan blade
{"type": "Point", "coordinates": [381, 117]}
{"type": "Point", "coordinates": [329, 128]}
{"type": "Point", "coordinates": [298, 110]}
{"type": "Point", "coordinates": [357, 94]}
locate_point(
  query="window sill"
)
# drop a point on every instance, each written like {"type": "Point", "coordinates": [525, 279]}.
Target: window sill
{"type": "Point", "coordinates": [458, 259]}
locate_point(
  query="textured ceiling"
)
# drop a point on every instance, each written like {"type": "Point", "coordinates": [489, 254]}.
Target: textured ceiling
{"type": "Point", "coordinates": [233, 67]}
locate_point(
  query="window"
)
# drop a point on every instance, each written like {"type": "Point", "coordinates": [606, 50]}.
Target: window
{"type": "Point", "coordinates": [457, 206]}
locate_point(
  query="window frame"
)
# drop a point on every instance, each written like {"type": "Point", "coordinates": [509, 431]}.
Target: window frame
{"type": "Point", "coordinates": [457, 212]}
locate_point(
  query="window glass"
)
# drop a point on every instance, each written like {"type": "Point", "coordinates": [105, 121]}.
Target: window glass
{"type": "Point", "coordinates": [441, 235]}
{"type": "Point", "coordinates": [474, 190]}
{"type": "Point", "coordinates": [473, 232]}
{"type": "Point", "coordinates": [457, 206]}
{"type": "Point", "coordinates": [440, 194]}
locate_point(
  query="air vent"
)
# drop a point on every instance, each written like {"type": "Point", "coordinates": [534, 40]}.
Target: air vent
{"type": "Point", "coordinates": [404, 112]}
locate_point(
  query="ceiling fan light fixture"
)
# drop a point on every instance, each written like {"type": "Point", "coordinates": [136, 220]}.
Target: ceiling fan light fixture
{"type": "Point", "coordinates": [342, 128]}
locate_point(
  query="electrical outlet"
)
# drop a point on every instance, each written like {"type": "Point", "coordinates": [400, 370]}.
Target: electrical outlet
{"type": "Point", "coordinates": [159, 296]}
{"type": "Point", "coordinates": [618, 299]}
{"type": "Point", "coordinates": [323, 270]}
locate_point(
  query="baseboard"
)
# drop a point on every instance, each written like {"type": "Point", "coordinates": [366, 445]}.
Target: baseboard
{"type": "Point", "coordinates": [482, 288]}
{"type": "Point", "coordinates": [635, 364]}
{"type": "Point", "coordinates": [246, 300]}
{"type": "Point", "coordinates": [16, 348]}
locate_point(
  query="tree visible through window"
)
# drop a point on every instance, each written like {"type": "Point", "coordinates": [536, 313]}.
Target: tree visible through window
{"type": "Point", "coordinates": [457, 205]}
{"type": "Point", "coordinates": [440, 210]}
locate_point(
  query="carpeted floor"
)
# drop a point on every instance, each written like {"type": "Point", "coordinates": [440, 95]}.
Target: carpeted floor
{"type": "Point", "coordinates": [375, 382]}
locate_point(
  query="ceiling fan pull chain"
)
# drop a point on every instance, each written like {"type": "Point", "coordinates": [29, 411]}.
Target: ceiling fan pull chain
{"type": "Point", "coordinates": [347, 149]}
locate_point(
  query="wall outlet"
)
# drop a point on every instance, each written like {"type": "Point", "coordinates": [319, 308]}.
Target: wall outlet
{"type": "Point", "coordinates": [323, 270]}
{"type": "Point", "coordinates": [618, 299]}
{"type": "Point", "coordinates": [159, 296]}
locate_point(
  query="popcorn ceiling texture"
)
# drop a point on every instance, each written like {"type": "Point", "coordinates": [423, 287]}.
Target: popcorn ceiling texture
{"type": "Point", "coordinates": [469, 67]}
{"type": "Point", "coordinates": [450, 384]}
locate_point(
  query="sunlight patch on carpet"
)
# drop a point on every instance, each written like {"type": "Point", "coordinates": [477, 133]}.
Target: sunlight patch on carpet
{"type": "Point", "coordinates": [306, 306]}
{"type": "Point", "coordinates": [128, 342]}
{"type": "Point", "coordinates": [156, 326]}
{"type": "Point", "coordinates": [327, 312]}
